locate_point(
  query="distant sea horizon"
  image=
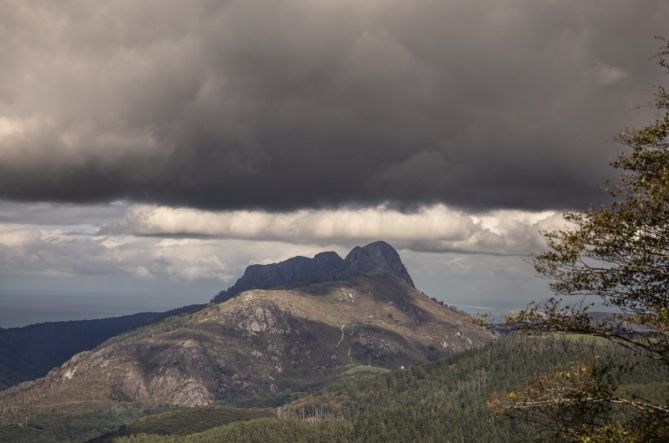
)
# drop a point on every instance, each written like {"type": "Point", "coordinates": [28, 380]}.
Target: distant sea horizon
{"type": "Point", "coordinates": [23, 308]}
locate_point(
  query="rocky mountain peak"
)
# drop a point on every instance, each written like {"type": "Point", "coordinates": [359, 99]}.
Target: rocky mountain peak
{"type": "Point", "coordinates": [377, 258]}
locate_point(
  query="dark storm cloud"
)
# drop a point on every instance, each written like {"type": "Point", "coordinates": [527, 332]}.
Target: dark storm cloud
{"type": "Point", "coordinates": [303, 103]}
{"type": "Point", "coordinates": [59, 214]}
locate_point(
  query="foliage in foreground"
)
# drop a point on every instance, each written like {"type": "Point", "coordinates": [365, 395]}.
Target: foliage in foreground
{"type": "Point", "coordinates": [447, 401]}
{"type": "Point", "coordinates": [585, 404]}
{"type": "Point", "coordinates": [618, 252]}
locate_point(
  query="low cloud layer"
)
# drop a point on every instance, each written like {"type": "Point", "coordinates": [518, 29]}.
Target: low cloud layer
{"type": "Point", "coordinates": [182, 244]}
{"type": "Point", "coordinates": [301, 103]}
{"type": "Point", "coordinates": [37, 251]}
{"type": "Point", "coordinates": [435, 228]}
{"type": "Point", "coordinates": [64, 254]}
{"type": "Point", "coordinates": [126, 257]}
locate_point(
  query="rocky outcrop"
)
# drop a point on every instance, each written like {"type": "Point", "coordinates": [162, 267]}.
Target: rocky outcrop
{"type": "Point", "coordinates": [376, 258]}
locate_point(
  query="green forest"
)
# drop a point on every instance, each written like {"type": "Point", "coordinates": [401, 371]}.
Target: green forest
{"type": "Point", "coordinates": [444, 401]}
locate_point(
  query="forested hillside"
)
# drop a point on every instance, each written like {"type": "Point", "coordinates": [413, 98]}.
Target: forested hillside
{"type": "Point", "coordinates": [445, 401]}
{"type": "Point", "coordinates": [31, 351]}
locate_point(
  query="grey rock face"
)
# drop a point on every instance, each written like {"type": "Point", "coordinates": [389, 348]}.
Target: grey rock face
{"type": "Point", "coordinates": [374, 259]}
{"type": "Point", "coordinates": [377, 258]}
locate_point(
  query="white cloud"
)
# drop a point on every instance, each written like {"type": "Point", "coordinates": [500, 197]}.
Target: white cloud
{"type": "Point", "coordinates": [201, 252]}
{"type": "Point", "coordinates": [56, 252]}
{"type": "Point", "coordinates": [607, 75]}
{"type": "Point", "coordinates": [141, 244]}
{"type": "Point", "coordinates": [13, 126]}
{"type": "Point", "coordinates": [436, 228]}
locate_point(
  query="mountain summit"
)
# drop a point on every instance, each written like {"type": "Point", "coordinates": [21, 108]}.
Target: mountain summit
{"type": "Point", "coordinates": [377, 258]}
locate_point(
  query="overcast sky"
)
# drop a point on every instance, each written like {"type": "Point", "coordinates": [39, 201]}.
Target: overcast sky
{"type": "Point", "coordinates": [150, 150]}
